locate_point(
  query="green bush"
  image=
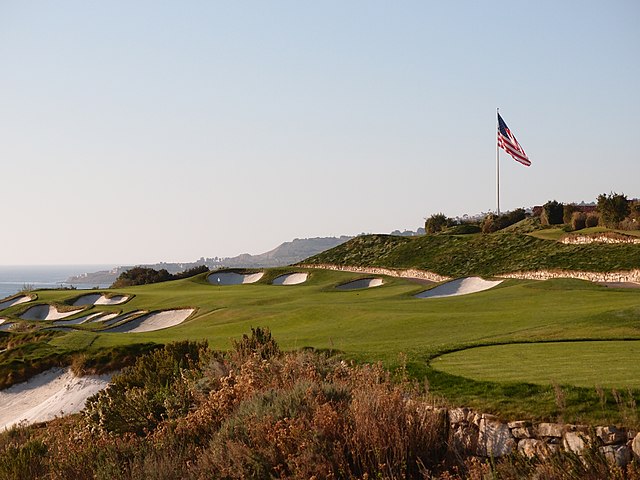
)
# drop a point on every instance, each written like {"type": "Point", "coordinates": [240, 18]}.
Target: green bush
{"type": "Point", "coordinates": [567, 212]}
{"type": "Point", "coordinates": [592, 220]}
{"type": "Point", "coordinates": [437, 222]}
{"type": "Point", "coordinates": [493, 223]}
{"type": "Point", "coordinates": [152, 390]}
{"type": "Point", "coordinates": [613, 208]}
{"type": "Point", "coordinates": [552, 213]}
{"type": "Point", "coordinates": [145, 276]}
{"type": "Point", "coordinates": [578, 220]}
{"type": "Point", "coordinates": [464, 229]}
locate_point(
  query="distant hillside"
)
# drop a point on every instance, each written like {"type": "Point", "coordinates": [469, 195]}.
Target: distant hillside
{"type": "Point", "coordinates": [286, 254]}
{"type": "Point", "coordinates": [491, 254]}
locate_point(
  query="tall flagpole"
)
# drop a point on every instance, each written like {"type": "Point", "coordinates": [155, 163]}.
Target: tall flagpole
{"type": "Point", "coordinates": [497, 161]}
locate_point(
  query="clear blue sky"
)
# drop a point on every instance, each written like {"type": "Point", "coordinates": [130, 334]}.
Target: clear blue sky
{"type": "Point", "coordinates": [142, 131]}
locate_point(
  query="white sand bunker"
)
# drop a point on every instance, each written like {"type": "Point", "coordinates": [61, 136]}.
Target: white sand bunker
{"type": "Point", "coordinates": [46, 312]}
{"type": "Point", "coordinates": [362, 283]}
{"type": "Point", "coordinates": [461, 286]}
{"type": "Point", "coordinates": [51, 394]}
{"type": "Point", "coordinates": [291, 279]}
{"type": "Point", "coordinates": [234, 278]}
{"type": "Point", "coordinates": [15, 301]}
{"type": "Point", "coordinates": [154, 321]}
{"type": "Point", "coordinates": [83, 319]}
{"type": "Point", "coordinates": [100, 299]}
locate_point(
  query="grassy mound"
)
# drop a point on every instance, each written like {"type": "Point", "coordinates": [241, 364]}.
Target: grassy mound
{"type": "Point", "coordinates": [491, 254]}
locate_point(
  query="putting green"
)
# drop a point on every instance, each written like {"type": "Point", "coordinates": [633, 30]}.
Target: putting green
{"type": "Point", "coordinates": [608, 364]}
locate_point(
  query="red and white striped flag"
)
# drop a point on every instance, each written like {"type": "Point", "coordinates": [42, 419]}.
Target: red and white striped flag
{"type": "Point", "coordinates": [507, 141]}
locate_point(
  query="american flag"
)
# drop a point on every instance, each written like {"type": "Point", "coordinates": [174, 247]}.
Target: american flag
{"type": "Point", "coordinates": [507, 141]}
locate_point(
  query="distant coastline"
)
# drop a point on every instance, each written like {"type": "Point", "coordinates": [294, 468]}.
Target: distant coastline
{"type": "Point", "coordinates": [15, 278]}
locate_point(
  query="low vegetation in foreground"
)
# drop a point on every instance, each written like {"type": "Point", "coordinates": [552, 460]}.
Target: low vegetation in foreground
{"type": "Point", "coordinates": [188, 412]}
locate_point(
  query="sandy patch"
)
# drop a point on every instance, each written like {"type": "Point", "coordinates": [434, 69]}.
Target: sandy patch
{"type": "Point", "coordinates": [461, 286]}
{"type": "Point", "coordinates": [234, 278]}
{"type": "Point", "coordinates": [53, 393]}
{"type": "Point", "coordinates": [85, 318]}
{"type": "Point", "coordinates": [291, 279]}
{"type": "Point", "coordinates": [362, 283]}
{"type": "Point", "coordinates": [46, 312]}
{"type": "Point", "coordinates": [154, 321]}
{"type": "Point", "coordinates": [100, 299]}
{"type": "Point", "coordinates": [15, 301]}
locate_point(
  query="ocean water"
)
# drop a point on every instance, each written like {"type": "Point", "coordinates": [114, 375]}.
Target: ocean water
{"type": "Point", "coordinates": [14, 278]}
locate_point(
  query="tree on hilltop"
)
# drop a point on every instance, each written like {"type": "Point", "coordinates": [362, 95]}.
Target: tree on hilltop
{"type": "Point", "coordinates": [613, 208]}
{"type": "Point", "coordinates": [552, 213]}
{"type": "Point", "coordinates": [437, 222]}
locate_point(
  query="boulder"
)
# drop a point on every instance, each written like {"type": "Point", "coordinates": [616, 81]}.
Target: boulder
{"type": "Point", "coordinates": [464, 439]}
{"type": "Point", "coordinates": [519, 424]}
{"type": "Point", "coordinates": [550, 430]}
{"type": "Point", "coordinates": [494, 438]}
{"type": "Point", "coordinates": [575, 442]}
{"type": "Point", "coordinates": [532, 447]}
{"type": "Point", "coordinates": [611, 435]}
{"type": "Point", "coordinates": [458, 415]}
{"type": "Point", "coordinates": [618, 454]}
{"type": "Point", "coordinates": [522, 432]}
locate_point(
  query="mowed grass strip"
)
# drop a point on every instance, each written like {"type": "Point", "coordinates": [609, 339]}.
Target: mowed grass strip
{"type": "Point", "coordinates": [608, 364]}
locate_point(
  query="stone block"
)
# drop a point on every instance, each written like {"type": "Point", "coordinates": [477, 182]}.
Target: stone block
{"type": "Point", "coordinates": [611, 435]}
{"type": "Point", "coordinates": [519, 424]}
{"type": "Point", "coordinates": [522, 432]}
{"type": "Point", "coordinates": [531, 447]}
{"type": "Point", "coordinates": [464, 439]}
{"type": "Point", "coordinates": [618, 454]}
{"type": "Point", "coordinates": [575, 442]}
{"type": "Point", "coordinates": [550, 430]}
{"type": "Point", "coordinates": [458, 415]}
{"type": "Point", "coordinates": [494, 438]}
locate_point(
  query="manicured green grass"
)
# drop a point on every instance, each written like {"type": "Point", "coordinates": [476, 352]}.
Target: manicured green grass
{"type": "Point", "coordinates": [586, 364]}
{"type": "Point", "coordinates": [490, 254]}
{"type": "Point", "coordinates": [383, 324]}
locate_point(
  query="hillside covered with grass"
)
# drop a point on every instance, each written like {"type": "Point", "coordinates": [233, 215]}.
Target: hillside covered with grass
{"type": "Point", "coordinates": [478, 254]}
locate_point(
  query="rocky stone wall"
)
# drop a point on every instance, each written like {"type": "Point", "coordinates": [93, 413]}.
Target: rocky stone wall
{"type": "Point", "coordinates": [610, 277]}
{"type": "Point", "coordinates": [410, 273]}
{"type": "Point", "coordinates": [486, 436]}
{"type": "Point", "coordinates": [602, 238]}
{"type": "Point", "coordinates": [622, 276]}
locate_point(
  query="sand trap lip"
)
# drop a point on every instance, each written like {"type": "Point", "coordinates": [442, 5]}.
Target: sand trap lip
{"type": "Point", "coordinates": [76, 321]}
{"type": "Point", "coordinates": [153, 321]}
{"type": "Point", "coordinates": [234, 278]}
{"type": "Point", "coordinates": [362, 283]}
{"type": "Point", "coordinates": [291, 279]}
{"type": "Point", "coordinates": [53, 393]}
{"type": "Point", "coordinates": [46, 312]}
{"type": "Point", "coordinates": [461, 286]}
{"type": "Point", "coordinates": [100, 299]}
{"type": "Point", "coordinates": [15, 301]}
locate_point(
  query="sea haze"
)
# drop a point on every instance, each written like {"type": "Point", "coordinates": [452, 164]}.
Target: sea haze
{"type": "Point", "coordinates": [14, 278]}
